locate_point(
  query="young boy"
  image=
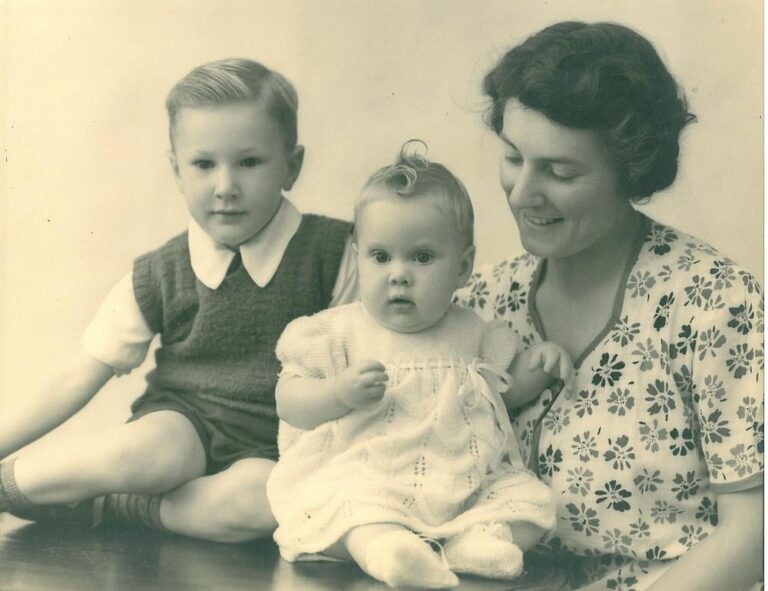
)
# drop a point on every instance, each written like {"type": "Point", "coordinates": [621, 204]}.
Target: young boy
{"type": "Point", "coordinates": [219, 296]}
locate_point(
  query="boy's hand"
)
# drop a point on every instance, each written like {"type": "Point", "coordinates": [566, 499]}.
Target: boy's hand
{"type": "Point", "coordinates": [552, 359]}
{"type": "Point", "coordinates": [361, 384]}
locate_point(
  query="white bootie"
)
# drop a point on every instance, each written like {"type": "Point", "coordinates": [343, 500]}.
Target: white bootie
{"type": "Point", "coordinates": [487, 550]}
{"type": "Point", "coordinates": [403, 559]}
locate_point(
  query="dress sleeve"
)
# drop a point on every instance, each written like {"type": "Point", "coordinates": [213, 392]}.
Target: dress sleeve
{"type": "Point", "coordinates": [118, 335]}
{"type": "Point", "coordinates": [306, 346]}
{"type": "Point", "coordinates": [728, 387]}
{"type": "Point", "coordinates": [499, 344]}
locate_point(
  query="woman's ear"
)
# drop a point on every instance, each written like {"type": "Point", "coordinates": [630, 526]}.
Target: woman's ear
{"type": "Point", "coordinates": [467, 265]}
{"type": "Point", "coordinates": [295, 162]}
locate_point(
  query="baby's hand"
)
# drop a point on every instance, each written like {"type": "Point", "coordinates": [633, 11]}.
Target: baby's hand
{"type": "Point", "coordinates": [361, 384]}
{"type": "Point", "coordinates": [552, 359]}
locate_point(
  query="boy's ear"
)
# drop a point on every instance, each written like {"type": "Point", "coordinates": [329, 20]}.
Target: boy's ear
{"type": "Point", "coordinates": [174, 165]}
{"type": "Point", "coordinates": [295, 162]}
{"type": "Point", "coordinates": [467, 265]}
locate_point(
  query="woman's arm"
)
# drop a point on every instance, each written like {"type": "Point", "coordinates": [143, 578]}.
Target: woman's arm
{"type": "Point", "coordinates": [732, 557]}
{"type": "Point", "coordinates": [305, 403]}
{"type": "Point", "coordinates": [64, 393]}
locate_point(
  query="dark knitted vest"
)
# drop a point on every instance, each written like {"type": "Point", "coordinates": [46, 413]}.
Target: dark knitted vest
{"type": "Point", "coordinates": [220, 344]}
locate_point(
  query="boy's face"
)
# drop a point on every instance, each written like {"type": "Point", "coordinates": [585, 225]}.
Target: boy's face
{"type": "Point", "coordinates": [411, 260]}
{"type": "Point", "coordinates": [232, 165]}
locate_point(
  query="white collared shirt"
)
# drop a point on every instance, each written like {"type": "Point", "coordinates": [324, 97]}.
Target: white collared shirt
{"type": "Point", "coordinates": [119, 335]}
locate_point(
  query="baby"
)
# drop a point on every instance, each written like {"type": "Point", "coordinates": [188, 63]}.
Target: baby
{"type": "Point", "coordinates": [394, 430]}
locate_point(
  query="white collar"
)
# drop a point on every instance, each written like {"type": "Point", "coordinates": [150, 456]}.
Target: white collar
{"type": "Point", "coordinates": [261, 254]}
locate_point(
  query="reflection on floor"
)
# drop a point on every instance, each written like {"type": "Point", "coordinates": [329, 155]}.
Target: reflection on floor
{"type": "Point", "coordinates": [36, 557]}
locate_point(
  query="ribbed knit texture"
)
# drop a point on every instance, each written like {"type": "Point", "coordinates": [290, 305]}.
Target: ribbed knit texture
{"type": "Point", "coordinates": [132, 509]}
{"type": "Point", "coordinates": [219, 344]}
{"type": "Point", "coordinates": [11, 498]}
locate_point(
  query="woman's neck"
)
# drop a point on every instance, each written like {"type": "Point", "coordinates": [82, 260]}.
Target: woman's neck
{"type": "Point", "coordinates": [599, 265]}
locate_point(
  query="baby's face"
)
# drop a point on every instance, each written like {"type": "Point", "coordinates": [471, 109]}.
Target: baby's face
{"type": "Point", "coordinates": [410, 259]}
{"type": "Point", "coordinates": [232, 165]}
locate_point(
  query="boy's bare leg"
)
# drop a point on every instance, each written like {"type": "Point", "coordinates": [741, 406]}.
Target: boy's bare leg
{"type": "Point", "coordinates": [230, 506]}
{"type": "Point", "coordinates": [152, 454]}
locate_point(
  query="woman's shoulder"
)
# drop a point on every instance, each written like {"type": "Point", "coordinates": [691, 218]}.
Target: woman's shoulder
{"type": "Point", "coordinates": [507, 280]}
{"type": "Point", "coordinates": [678, 258]}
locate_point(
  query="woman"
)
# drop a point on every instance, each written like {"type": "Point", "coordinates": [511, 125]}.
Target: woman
{"type": "Point", "coordinates": [657, 456]}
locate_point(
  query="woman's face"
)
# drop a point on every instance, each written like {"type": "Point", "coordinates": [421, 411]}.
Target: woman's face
{"type": "Point", "coordinates": [560, 185]}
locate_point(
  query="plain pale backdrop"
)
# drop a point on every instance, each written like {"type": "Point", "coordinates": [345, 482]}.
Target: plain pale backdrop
{"type": "Point", "coordinates": [86, 186]}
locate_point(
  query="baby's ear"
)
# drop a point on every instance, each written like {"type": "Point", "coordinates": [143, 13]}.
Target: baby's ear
{"type": "Point", "coordinates": [295, 162]}
{"type": "Point", "coordinates": [467, 265]}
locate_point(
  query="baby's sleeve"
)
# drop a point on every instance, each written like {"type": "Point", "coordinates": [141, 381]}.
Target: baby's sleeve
{"type": "Point", "coordinates": [305, 349]}
{"type": "Point", "coordinates": [499, 344]}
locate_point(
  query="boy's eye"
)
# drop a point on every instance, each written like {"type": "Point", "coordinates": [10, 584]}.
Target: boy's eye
{"type": "Point", "coordinates": [424, 258]}
{"type": "Point", "coordinates": [203, 164]}
{"type": "Point", "coordinates": [250, 162]}
{"type": "Point", "coordinates": [380, 256]}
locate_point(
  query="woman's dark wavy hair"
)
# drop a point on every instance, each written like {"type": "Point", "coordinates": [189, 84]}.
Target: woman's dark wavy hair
{"type": "Point", "coordinates": [604, 77]}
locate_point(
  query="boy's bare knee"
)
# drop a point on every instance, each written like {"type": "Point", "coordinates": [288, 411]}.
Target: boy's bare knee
{"type": "Point", "coordinates": [149, 457]}
{"type": "Point", "coordinates": [241, 500]}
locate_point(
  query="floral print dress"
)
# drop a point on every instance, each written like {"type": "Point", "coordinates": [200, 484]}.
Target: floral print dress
{"type": "Point", "coordinates": [667, 410]}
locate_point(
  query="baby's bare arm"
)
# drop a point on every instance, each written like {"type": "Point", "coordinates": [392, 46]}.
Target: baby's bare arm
{"type": "Point", "coordinates": [61, 395]}
{"type": "Point", "coordinates": [306, 403]}
{"type": "Point", "coordinates": [535, 369]}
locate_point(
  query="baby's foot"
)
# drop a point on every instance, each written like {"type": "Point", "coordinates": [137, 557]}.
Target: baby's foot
{"type": "Point", "coordinates": [402, 559]}
{"type": "Point", "coordinates": [487, 550]}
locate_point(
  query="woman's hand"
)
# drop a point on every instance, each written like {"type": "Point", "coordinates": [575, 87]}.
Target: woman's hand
{"type": "Point", "coordinates": [731, 558]}
{"type": "Point", "coordinates": [361, 384]}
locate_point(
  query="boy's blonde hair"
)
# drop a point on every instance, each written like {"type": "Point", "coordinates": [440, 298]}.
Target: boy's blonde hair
{"type": "Point", "coordinates": [237, 80]}
{"type": "Point", "coordinates": [413, 175]}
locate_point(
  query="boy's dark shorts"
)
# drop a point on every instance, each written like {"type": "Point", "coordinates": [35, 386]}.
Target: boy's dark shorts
{"type": "Point", "coordinates": [230, 430]}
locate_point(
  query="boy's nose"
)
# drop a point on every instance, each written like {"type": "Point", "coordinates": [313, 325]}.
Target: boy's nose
{"type": "Point", "coordinates": [226, 187]}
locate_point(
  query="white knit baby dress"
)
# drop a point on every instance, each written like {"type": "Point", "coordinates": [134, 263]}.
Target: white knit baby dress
{"type": "Point", "coordinates": [436, 454]}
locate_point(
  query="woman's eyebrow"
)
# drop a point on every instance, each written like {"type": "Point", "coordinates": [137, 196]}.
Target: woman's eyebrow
{"type": "Point", "coordinates": [557, 160]}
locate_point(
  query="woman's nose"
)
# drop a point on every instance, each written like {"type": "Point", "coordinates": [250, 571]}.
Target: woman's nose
{"type": "Point", "coordinates": [526, 189]}
{"type": "Point", "coordinates": [226, 185]}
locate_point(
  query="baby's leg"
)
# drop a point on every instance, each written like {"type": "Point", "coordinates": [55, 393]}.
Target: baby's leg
{"type": "Point", "coordinates": [395, 555]}
{"type": "Point", "coordinates": [230, 506]}
{"type": "Point", "coordinates": [153, 454]}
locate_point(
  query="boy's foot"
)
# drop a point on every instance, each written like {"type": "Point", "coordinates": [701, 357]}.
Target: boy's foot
{"type": "Point", "coordinates": [487, 550]}
{"type": "Point", "coordinates": [402, 559]}
{"type": "Point", "coordinates": [81, 514]}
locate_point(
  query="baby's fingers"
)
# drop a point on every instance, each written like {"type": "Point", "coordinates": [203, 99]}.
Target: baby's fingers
{"type": "Point", "coordinates": [549, 363]}
{"type": "Point", "coordinates": [537, 358]}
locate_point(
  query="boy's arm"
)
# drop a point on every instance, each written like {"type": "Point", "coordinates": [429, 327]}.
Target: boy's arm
{"type": "Point", "coordinates": [535, 369]}
{"type": "Point", "coordinates": [59, 397]}
{"type": "Point", "coordinates": [305, 402]}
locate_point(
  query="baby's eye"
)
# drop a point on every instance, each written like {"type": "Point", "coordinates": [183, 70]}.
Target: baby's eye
{"type": "Point", "coordinates": [250, 162]}
{"type": "Point", "coordinates": [424, 258]}
{"type": "Point", "coordinates": [203, 164]}
{"type": "Point", "coordinates": [380, 256]}
{"type": "Point", "coordinates": [513, 158]}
